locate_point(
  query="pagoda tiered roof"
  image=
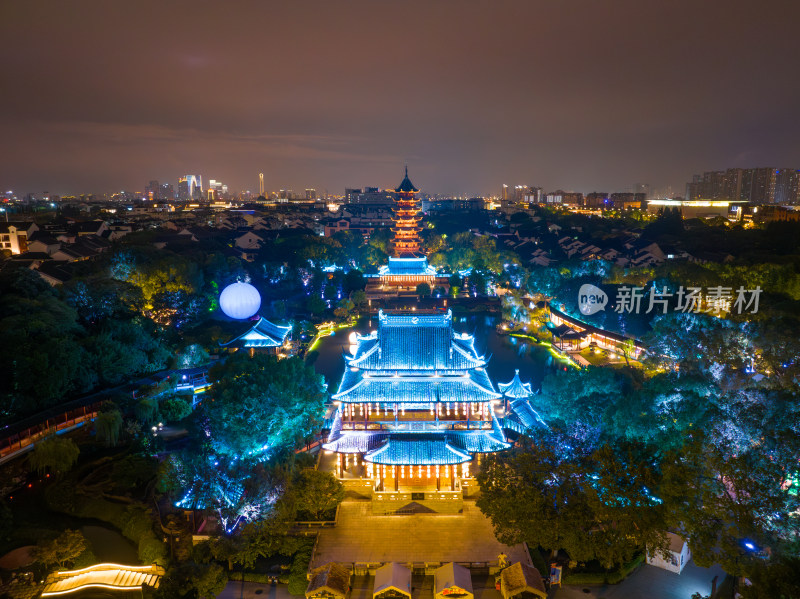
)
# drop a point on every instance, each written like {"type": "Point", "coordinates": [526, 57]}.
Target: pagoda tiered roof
{"type": "Point", "coordinates": [433, 449]}
{"type": "Point", "coordinates": [262, 334]}
{"type": "Point", "coordinates": [407, 267]}
{"type": "Point", "coordinates": [413, 361]}
{"type": "Point", "coordinates": [411, 389]}
{"type": "Point", "coordinates": [516, 388]}
{"type": "Point", "coordinates": [416, 341]}
{"type": "Point", "coordinates": [406, 186]}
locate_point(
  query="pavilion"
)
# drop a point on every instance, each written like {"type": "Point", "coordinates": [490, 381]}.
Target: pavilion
{"type": "Point", "coordinates": [517, 404]}
{"type": "Point", "coordinates": [262, 336]}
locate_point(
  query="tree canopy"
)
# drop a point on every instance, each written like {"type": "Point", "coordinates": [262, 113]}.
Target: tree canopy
{"type": "Point", "coordinates": [262, 403]}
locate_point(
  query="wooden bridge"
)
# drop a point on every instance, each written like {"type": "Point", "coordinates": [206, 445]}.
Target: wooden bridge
{"type": "Point", "coordinates": [115, 577]}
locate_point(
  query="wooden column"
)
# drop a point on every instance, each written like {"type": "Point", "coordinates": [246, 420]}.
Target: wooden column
{"type": "Point", "coordinates": [396, 482]}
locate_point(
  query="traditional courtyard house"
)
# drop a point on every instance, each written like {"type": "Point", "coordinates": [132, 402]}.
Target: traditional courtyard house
{"type": "Point", "coordinates": [248, 241]}
{"type": "Point", "coordinates": [14, 236]}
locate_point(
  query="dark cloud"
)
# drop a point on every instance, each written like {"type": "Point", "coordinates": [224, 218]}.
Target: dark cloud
{"type": "Point", "coordinates": [576, 94]}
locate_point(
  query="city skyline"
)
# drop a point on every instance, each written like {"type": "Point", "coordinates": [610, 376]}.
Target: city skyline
{"type": "Point", "coordinates": [582, 97]}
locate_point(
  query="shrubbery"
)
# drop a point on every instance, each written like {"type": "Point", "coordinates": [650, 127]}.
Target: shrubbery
{"type": "Point", "coordinates": [133, 521]}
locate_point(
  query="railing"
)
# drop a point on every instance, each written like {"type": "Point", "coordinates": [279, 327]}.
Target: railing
{"type": "Point", "coordinates": [442, 425]}
{"type": "Point", "coordinates": [513, 425]}
{"type": "Point", "coordinates": [26, 438]}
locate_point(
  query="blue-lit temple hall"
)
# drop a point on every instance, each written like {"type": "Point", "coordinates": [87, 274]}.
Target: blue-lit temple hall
{"type": "Point", "coordinates": [416, 408]}
{"type": "Point", "coordinates": [262, 336]}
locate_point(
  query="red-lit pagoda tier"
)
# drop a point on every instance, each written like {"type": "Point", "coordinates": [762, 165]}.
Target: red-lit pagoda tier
{"type": "Point", "coordinates": [406, 242]}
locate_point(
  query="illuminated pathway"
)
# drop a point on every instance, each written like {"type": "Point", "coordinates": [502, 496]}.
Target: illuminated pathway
{"type": "Point", "coordinates": [114, 577]}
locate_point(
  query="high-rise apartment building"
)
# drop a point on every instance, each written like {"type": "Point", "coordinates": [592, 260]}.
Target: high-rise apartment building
{"type": "Point", "coordinates": [755, 185]}
{"type": "Point", "coordinates": [311, 194]}
{"type": "Point", "coordinates": [166, 192]}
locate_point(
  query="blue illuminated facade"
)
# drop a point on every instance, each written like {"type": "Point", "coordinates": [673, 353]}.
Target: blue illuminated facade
{"type": "Point", "coordinates": [415, 404]}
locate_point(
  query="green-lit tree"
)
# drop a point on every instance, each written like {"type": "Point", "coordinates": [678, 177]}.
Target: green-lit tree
{"type": "Point", "coordinates": [55, 454]}
{"type": "Point", "coordinates": [262, 403]}
{"type": "Point", "coordinates": [60, 551]}
{"type": "Point", "coordinates": [423, 290]}
{"type": "Point", "coordinates": [108, 425]}
{"type": "Point", "coordinates": [594, 505]}
{"type": "Point", "coordinates": [316, 493]}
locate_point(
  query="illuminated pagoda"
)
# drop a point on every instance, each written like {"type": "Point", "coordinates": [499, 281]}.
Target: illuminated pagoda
{"type": "Point", "coordinates": [408, 266]}
{"type": "Point", "coordinates": [415, 405]}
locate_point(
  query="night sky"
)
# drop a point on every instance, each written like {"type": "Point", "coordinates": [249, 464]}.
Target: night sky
{"type": "Point", "coordinates": [580, 95]}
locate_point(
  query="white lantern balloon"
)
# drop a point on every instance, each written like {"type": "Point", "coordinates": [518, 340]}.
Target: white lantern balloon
{"type": "Point", "coordinates": [240, 300]}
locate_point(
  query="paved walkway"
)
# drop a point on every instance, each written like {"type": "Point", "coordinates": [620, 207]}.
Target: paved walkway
{"type": "Point", "coordinates": [254, 590]}
{"type": "Point", "coordinates": [361, 536]}
{"type": "Point", "coordinates": [649, 582]}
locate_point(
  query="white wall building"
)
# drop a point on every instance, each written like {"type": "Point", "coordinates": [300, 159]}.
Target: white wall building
{"type": "Point", "coordinates": [677, 556]}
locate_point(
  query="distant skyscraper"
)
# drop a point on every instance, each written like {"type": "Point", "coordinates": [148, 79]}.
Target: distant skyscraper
{"type": "Point", "coordinates": [311, 194]}
{"type": "Point", "coordinates": [190, 187]}
{"type": "Point", "coordinates": [534, 195]}
{"type": "Point", "coordinates": [217, 190]}
{"type": "Point", "coordinates": [261, 185]}
{"type": "Point", "coordinates": [783, 186]}
{"type": "Point", "coordinates": [152, 191]}
{"type": "Point", "coordinates": [642, 188]}
{"type": "Point", "coordinates": [166, 192]}
{"type": "Point", "coordinates": [504, 192]}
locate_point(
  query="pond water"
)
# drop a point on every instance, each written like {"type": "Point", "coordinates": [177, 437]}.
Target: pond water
{"type": "Point", "coordinates": [110, 546]}
{"type": "Point", "coordinates": [505, 353]}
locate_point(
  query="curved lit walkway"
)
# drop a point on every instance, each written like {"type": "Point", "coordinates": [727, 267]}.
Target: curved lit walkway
{"type": "Point", "coordinates": [115, 577]}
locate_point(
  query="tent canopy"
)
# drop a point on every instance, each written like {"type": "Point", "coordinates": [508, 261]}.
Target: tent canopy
{"type": "Point", "coordinates": [392, 577]}
{"type": "Point", "coordinates": [330, 580]}
{"type": "Point", "coordinates": [519, 578]}
{"type": "Point", "coordinates": [452, 580]}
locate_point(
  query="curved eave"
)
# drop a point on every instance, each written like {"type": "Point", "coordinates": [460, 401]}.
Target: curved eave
{"type": "Point", "coordinates": [415, 452]}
